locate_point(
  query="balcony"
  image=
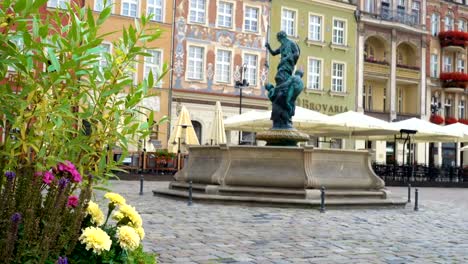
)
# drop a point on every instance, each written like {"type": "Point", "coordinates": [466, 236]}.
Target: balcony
{"type": "Point", "coordinates": [388, 17]}
{"type": "Point", "coordinates": [376, 67]}
{"type": "Point", "coordinates": [408, 72]}
{"type": "Point", "coordinates": [454, 81]}
{"type": "Point", "coordinates": [455, 40]}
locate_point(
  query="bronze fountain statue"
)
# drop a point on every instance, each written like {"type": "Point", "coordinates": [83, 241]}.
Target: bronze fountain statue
{"type": "Point", "coordinates": [284, 95]}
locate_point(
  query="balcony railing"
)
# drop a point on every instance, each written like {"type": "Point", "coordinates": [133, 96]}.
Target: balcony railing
{"type": "Point", "coordinates": [399, 16]}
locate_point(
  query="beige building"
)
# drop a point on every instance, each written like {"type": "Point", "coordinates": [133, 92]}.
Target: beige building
{"type": "Point", "coordinates": [391, 81]}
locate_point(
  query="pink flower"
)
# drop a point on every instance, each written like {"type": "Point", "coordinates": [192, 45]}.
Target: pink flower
{"type": "Point", "coordinates": [72, 201]}
{"type": "Point", "coordinates": [48, 177]}
{"type": "Point", "coordinates": [76, 176]}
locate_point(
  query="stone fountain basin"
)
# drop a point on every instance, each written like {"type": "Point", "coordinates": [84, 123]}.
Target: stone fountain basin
{"type": "Point", "coordinates": [280, 174]}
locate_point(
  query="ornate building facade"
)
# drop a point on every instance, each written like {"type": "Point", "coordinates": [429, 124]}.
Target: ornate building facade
{"type": "Point", "coordinates": [216, 43]}
{"type": "Point", "coordinates": [391, 66]}
{"type": "Point", "coordinates": [447, 77]}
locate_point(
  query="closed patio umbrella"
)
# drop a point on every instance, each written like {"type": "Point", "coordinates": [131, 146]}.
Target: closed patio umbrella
{"type": "Point", "coordinates": [218, 135]}
{"type": "Point", "coordinates": [182, 133]}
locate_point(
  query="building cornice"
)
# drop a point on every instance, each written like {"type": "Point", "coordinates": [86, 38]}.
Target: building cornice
{"type": "Point", "coordinates": [333, 4]}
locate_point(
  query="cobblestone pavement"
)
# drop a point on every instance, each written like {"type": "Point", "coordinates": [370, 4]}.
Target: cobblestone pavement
{"type": "Point", "coordinates": [215, 233]}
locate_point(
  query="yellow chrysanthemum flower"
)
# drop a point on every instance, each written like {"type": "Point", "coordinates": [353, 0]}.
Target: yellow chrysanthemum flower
{"type": "Point", "coordinates": [97, 216]}
{"type": "Point", "coordinates": [115, 198]}
{"type": "Point", "coordinates": [128, 237]}
{"type": "Point", "coordinates": [96, 239]}
{"type": "Point", "coordinates": [141, 232]}
{"type": "Point", "coordinates": [130, 212]}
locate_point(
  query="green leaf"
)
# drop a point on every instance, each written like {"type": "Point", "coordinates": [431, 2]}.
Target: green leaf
{"type": "Point", "coordinates": [104, 15]}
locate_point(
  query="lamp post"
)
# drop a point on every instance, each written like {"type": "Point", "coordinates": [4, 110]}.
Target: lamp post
{"type": "Point", "coordinates": [241, 84]}
{"type": "Point", "coordinates": [184, 127]}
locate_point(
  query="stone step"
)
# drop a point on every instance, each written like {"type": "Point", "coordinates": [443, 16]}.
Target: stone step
{"type": "Point", "coordinates": [274, 201]}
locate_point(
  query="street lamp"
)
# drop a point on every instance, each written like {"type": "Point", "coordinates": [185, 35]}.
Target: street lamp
{"type": "Point", "coordinates": [241, 84]}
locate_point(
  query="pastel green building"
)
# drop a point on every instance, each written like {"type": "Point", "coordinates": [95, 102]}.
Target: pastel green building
{"type": "Point", "coordinates": [326, 33]}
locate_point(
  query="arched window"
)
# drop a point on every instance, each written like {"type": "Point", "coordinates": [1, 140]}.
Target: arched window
{"type": "Point", "coordinates": [198, 130]}
{"type": "Point", "coordinates": [435, 24]}
{"type": "Point", "coordinates": [449, 22]}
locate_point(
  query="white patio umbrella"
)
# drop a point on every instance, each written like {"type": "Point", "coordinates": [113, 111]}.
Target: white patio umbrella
{"type": "Point", "coordinates": [218, 135]}
{"type": "Point", "coordinates": [182, 133]}
{"type": "Point", "coordinates": [304, 119]}
{"type": "Point", "coordinates": [426, 131]}
{"type": "Point", "coordinates": [458, 128]}
{"type": "Point", "coordinates": [359, 125]}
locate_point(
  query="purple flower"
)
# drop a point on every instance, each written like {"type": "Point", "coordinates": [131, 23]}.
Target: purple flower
{"type": "Point", "coordinates": [48, 177]}
{"type": "Point", "coordinates": [10, 175]}
{"type": "Point", "coordinates": [72, 201]}
{"type": "Point", "coordinates": [63, 183]}
{"type": "Point", "coordinates": [63, 260]}
{"type": "Point", "coordinates": [16, 217]}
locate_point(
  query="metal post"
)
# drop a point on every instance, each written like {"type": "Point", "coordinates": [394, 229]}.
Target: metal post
{"type": "Point", "coordinates": [141, 183]}
{"type": "Point", "coordinates": [322, 199]}
{"type": "Point", "coordinates": [240, 109]}
{"type": "Point", "coordinates": [409, 193]}
{"type": "Point", "coordinates": [416, 196]}
{"type": "Point", "coordinates": [190, 194]}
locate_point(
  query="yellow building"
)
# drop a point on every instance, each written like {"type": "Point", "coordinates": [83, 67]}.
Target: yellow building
{"type": "Point", "coordinates": [124, 12]}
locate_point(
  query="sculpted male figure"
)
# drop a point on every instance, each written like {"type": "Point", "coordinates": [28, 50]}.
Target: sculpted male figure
{"type": "Point", "coordinates": [288, 87]}
{"type": "Point", "coordinates": [290, 52]}
{"type": "Point", "coordinates": [283, 98]}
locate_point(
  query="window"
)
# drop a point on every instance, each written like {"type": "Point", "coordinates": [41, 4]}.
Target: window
{"type": "Point", "coordinates": [384, 100]}
{"type": "Point", "coordinates": [251, 73]}
{"type": "Point", "coordinates": [195, 62]}
{"type": "Point", "coordinates": [415, 12]}
{"type": "Point", "coordinates": [401, 10]}
{"type": "Point", "coordinates": [225, 14]}
{"type": "Point", "coordinates": [197, 11]}
{"type": "Point", "coordinates": [369, 6]}
{"type": "Point", "coordinates": [153, 63]}
{"type": "Point", "coordinates": [369, 98]}
{"type": "Point", "coordinates": [339, 32]}
{"type": "Point", "coordinates": [460, 65]}
{"type": "Point", "coordinates": [434, 66]}
{"type": "Point", "coordinates": [223, 66]}
{"type": "Point", "coordinates": [448, 23]}
{"type": "Point", "coordinates": [448, 108]}
{"type": "Point", "coordinates": [400, 100]}
{"type": "Point", "coordinates": [435, 26]}
{"type": "Point", "coordinates": [447, 63]}
{"type": "Point", "coordinates": [314, 74]}
{"type": "Point", "coordinates": [385, 9]}
{"type": "Point", "coordinates": [338, 71]}
{"type": "Point", "coordinates": [106, 48]}
{"type": "Point", "coordinates": [155, 7]}
{"type": "Point", "coordinates": [288, 22]}
{"type": "Point", "coordinates": [130, 8]}
{"type": "Point", "coordinates": [364, 96]}
{"type": "Point", "coordinates": [99, 5]}
{"type": "Point", "coordinates": [58, 3]}
{"type": "Point", "coordinates": [315, 28]}
{"type": "Point", "coordinates": [461, 25]}
{"type": "Point", "coordinates": [251, 19]}
{"type": "Point", "coordinates": [461, 109]}
{"type": "Point", "coordinates": [19, 42]}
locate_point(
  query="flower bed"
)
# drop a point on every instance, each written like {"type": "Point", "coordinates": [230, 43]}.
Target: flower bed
{"type": "Point", "coordinates": [463, 121]}
{"type": "Point", "coordinates": [416, 68]}
{"type": "Point", "coordinates": [450, 120]}
{"type": "Point", "coordinates": [436, 119]}
{"type": "Point", "coordinates": [374, 60]}
{"type": "Point", "coordinates": [453, 38]}
{"type": "Point", "coordinates": [454, 79]}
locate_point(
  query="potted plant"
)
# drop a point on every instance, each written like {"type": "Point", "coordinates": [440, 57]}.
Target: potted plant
{"type": "Point", "coordinates": [436, 119]}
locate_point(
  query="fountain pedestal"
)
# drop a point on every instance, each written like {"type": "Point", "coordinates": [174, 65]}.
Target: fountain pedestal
{"type": "Point", "coordinates": [281, 175]}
